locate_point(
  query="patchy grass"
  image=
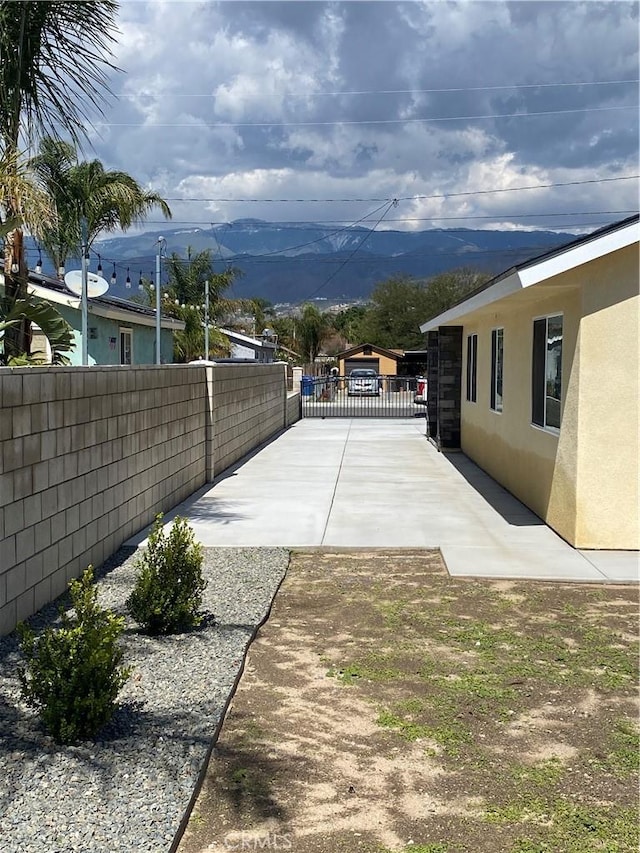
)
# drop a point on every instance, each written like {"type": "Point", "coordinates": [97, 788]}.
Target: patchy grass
{"type": "Point", "coordinates": [445, 715]}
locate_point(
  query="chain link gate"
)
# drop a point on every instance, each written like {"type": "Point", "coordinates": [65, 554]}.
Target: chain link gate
{"type": "Point", "coordinates": [353, 397]}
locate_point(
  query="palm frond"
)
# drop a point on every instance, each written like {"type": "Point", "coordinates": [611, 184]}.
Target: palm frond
{"type": "Point", "coordinates": [56, 62]}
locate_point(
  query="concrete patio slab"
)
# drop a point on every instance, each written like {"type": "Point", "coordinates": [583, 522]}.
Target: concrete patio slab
{"type": "Point", "coordinates": [366, 483]}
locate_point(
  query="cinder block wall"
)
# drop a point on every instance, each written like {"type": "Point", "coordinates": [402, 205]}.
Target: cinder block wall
{"type": "Point", "coordinates": [248, 408]}
{"type": "Point", "coordinates": [293, 413]}
{"type": "Point", "coordinates": [88, 456]}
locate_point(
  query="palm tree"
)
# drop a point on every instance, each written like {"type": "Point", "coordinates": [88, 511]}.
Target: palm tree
{"type": "Point", "coordinates": [184, 298]}
{"type": "Point", "coordinates": [55, 58]}
{"type": "Point", "coordinates": [105, 200]}
{"type": "Point", "coordinates": [32, 207]}
{"type": "Point", "coordinates": [312, 328]}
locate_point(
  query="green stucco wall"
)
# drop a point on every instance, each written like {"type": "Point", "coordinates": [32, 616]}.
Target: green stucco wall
{"type": "Point", "coordinates": [104, 348]}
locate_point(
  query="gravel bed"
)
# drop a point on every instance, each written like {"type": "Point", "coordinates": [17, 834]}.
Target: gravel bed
{"type": "Point", "coordinates": [128, 790]}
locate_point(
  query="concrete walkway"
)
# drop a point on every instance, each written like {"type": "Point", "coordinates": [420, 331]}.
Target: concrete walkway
{"type": "Point", "coordinates": [355, 483]}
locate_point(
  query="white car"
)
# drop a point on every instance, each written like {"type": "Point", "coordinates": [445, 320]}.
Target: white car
{"type": "Point", "coordinates": [362, 382]}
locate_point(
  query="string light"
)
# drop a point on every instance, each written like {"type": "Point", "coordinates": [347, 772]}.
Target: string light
{"type": "Point", "coordinates": [113, 275]}
{"type": "Point", "coordinates": [127, 283]}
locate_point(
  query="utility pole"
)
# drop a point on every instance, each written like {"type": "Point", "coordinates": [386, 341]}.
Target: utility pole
{"type": "Point", "coordinates": [158, 300]}
{"type": "Point", "coordinates": [206, 320]}
{"type": "Point", "coordinates": [85, 294]}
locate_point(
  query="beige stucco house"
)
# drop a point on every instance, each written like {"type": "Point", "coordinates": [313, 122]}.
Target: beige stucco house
{"type": "Point", "coordinates": [383, 361]}
{"type": "Point", "coordinates": [536, 378]}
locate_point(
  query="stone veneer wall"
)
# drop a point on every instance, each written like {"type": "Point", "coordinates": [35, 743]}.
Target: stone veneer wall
{"type": "Point", "coordinates": [449, 386]}
{"type": "Point", "coordinates": [432, 386]}
{"type": "Point", "coordinates": [88, 456]}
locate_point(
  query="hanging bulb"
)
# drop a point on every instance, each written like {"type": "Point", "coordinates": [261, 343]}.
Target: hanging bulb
{"type": "Point", "coordinates": [15, 268]}
{"type": "Point", "coordinates": [140, 282]}
{"type": "Point", "coordinates": [99, 266]}
{"type": "Point", "coordinates": [39, 264]}
{"type": "Point", "coordinates": [61, 271]}
{"type": "Point", "coordinates": [113, 275]}
{"type": "Point", "coordinates": [127, 282]}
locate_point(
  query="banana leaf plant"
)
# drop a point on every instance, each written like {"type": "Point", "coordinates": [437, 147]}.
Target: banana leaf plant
{"type": "Point", "coordinates": [52, 324]}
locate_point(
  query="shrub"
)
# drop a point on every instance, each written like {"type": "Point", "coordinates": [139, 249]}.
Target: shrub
{"type": "Point", "coordinates": [73, 675]}
{"type": "Point", "coordinates": [169, 587]}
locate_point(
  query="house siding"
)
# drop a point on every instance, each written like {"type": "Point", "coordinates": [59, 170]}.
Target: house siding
{"type": "Point", "coordinates": [583, 480]}
{"type": "Point", "coordinates": [608, 459]}
{"type": "Point", "coordinates": [101, 350]}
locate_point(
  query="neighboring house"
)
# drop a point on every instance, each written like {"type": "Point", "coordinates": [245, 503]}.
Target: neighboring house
{"type": "Point", "coordinates": [261, 349]}
{"type": "Point", "coordinates": [383, 361]}
{"type": "Point", "coordinates": [120, 332]}
{"type": "Point", "coordinates": [535, 377]}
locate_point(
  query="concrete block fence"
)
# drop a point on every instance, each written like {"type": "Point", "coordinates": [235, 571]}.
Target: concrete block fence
{"type": "Point", "coordinates": [88, 457]}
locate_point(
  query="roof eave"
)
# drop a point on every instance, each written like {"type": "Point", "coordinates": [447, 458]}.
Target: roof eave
{"type": "Point", "coordinates": [536, 272]}
{"type": "Point", "coordinates": [504, 286]}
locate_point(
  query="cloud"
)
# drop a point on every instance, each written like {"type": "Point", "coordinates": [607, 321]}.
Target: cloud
{"type": "Point", "coordinates": [326, 100]}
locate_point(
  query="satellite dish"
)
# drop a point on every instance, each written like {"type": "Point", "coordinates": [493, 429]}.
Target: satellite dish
{"type": "Point", "coordinates": [96, 285]}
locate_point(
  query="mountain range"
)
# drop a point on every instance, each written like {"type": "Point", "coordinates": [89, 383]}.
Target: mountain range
{"type": "Point", "coordinates": [293, 263]}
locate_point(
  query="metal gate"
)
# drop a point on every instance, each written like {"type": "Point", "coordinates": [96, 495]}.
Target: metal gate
{"type": "Point", "coordinates": [346, 397]}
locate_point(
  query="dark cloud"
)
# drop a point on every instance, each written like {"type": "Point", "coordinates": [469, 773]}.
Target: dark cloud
{"type": "Point", "coordinates": [191, 66]}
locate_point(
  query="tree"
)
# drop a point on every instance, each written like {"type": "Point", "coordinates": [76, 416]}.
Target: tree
{"type": "Point", "coordinates": [447, 288]}
{"type": "Point", "coordinates": [395, 312]}
{"type": "Point", "coordinates": [53, 325]}
{"type": "Point", "coordinates": [348, 322]}
{"type": "Point", "coordinates": [31, 207]}
{"type": "Point", "coordinates": [312, 328]}
{"type": "Point", "coordinates": [54, 60]}
{"type": "Point", "coordinates": [262, 312]}
{"type": "Point", "coordinates": [185, 299]}
{"type": "Point", "coordinates": [401, 304]}
{"type": "Point", "coordinates": [105, 200]}
{"type": "Point", "coordinates": [285, 329]}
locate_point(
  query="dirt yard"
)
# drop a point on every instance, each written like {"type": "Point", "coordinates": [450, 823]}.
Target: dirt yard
{"type": "Point", "coordinates": [388, 707]}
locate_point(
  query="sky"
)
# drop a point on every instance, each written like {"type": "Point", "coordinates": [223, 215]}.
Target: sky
{"type": "Point", "coordinates": [329, 111]}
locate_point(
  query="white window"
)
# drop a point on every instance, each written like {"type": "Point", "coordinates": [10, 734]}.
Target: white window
{"type": "Point", "coordinates": [546, 373]}
{"type": "Point", "coordinates": [126, 346]}
{"type": "Point", "coordinates": [472, 359]}
{"type": "Point", "coordinates": [497, 365]}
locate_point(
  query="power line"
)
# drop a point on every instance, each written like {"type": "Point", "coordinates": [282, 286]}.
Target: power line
{"type": "Point", "coordinates": [404, 198]}
{"type": "Point", "coordinates": [318, 239]}
{"type": "Point", "coordinates": [387, 259]}
{"type": "Point", "coordinates": [380, 121]}
{"type": "Point", "coordinates": [307, 94]}
{"type": "Point", "coordinates": [394, 203]}
{"type": "Point", "coordinates": [349, 224]}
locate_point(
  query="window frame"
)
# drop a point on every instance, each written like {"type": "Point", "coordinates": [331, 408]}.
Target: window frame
{"type": "Point", "coordinates": [539, 370]}
{"type": "Point", "coordinates": [472, 367]}
{"type": "Point", "coordinates": [497, 375]}
{"type": "Point", "coordinates": [128, 332]}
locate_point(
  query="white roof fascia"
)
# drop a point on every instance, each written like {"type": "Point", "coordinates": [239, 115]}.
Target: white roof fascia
{"type": "Point", "coordinates": [538, 272]}
{"type": "Point", "coordinates": [101, 310]}
{"type": "Point", "coordinates": [245, 340]}
{"type": "Point", "coordinates": [582, 254]}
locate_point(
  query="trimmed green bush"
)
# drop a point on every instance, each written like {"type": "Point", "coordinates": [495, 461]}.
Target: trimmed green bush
{"type": "Point", "coordinates": [73, 675]}
{"type": "Point", "coordinates": [169, 587]}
